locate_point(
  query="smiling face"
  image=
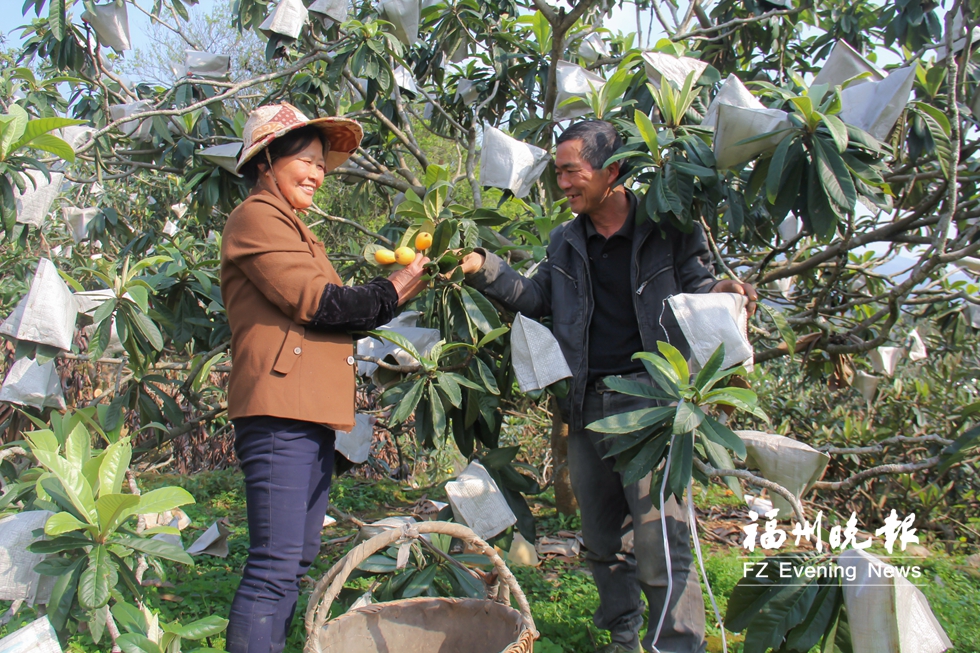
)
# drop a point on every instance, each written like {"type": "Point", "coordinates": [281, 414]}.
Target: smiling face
{"type": "Point", "coordinates": [585, 187]}
{"type": "Point", "coordinates": [300, 175]}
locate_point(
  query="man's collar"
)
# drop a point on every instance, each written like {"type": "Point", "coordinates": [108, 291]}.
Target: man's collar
{"type": "Point", "coordinates": [625, 231]}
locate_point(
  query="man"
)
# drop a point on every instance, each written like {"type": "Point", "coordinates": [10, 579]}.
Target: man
{"type": "Point", "coordinates": [605, 284]}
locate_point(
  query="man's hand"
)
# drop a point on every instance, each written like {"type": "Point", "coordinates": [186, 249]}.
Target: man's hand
{"type": "Point", "coordinates": [472, 262]}
{"type": "Point", "coordinates": [408, 281]}
{"type": "Point", "coordinates": [739, 288]}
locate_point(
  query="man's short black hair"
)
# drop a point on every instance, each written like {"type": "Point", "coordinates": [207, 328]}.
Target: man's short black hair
{"type": "Point", "coordinates": [288, 144]}
{"type": "Point", "coordinates": [600, 140]}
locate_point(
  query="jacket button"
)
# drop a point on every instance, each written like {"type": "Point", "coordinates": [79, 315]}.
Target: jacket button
{"type": "Point", "coordinates": [350, 360]}
{"type": "Point", "coordinates": [298, 351]}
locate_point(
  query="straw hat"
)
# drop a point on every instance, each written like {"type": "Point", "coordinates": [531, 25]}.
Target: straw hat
{"type": "Point", "coordinates": [269, 122]}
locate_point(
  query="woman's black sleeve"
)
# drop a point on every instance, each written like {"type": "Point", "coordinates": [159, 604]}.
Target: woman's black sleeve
{"type": "Point", "coordinates": [355, 308]}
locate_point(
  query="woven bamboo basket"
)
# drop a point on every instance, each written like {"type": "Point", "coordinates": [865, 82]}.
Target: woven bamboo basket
{"type": "Point", "coordinates": [421, 625]}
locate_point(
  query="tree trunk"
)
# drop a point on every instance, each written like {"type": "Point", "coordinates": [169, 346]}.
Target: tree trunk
{"type": "Point", "coordinates": [564, 498]}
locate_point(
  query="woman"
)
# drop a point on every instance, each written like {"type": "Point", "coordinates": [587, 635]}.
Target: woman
{"type": "Point", "coordinates": [292, 381]}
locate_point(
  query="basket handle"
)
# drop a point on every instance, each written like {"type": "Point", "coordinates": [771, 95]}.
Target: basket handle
{"type": "Point", "coordinates": [328, 587]}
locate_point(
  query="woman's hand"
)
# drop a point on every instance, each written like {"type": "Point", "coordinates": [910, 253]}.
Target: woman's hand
{"type": "Point", "coordinates": [408, 281]}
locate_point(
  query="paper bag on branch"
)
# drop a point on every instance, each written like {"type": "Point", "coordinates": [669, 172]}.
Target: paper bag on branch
{"type": "Point", "coordinates": [733, 93]}
{"type": "Point", "coordinates": [560, 546]}
{"type": "Point", "coordinates": [711, 319]}
{"type": "Point", "coordinates": [661, 66]}
{"type": "Point", "coordinates": [38, 636]}
{"type": "Point", "coordinates": [884, 359]}
{"type": "Point", "coordinates": [844, 63]}
{"type": "Point", "coordinates": [111, 23]}
{"type": "Point", "coordinates": [592, 48]}
{"type": "Point", "coordinates": [506, 162]}
{"type": "Point", "coordinates": [404, 16]}
{"type": "Point", "coordinates": [790, 227]}
{"type": "Point", "coordinates": [784, 286]}
{"type": "Point", "coordinates": [866, 384]}
{"type": "Point", "coordinates": [213, 542]}
{"type": "Point", "coordinates": [205, 64]}
{"type": "Point", "coordinates": [30, 384]}
{"type": "Point", "coordinates": [76, 135]}
{"type": "Point", "coordinates": [876, 106]}
{"type": "Point", "coordinates": [467, 91]}
{"type": "Point", "coordinates": [332, 11]}
{"type": "Point", "coordinates": [355, 445]}
{"type": "Point", "coordinates": [286, 20]}
{"type": "Point", "coordinates": [574, 82]}
{"type": "Point", "coordinates": [18, 580]}
{"type": "Point", "coordinates": [170, 228]}
{"type": "Point", "coordinates": [917, 348]}
{"type": "Point", "coordinates": [404, 324]}
{"type": "Point", "coordinates": [736, 124]}
{"type": "Point", "coordinates": [225, 156]}
{"type": "Point", "coordinates": [537, 358]}
{"type": "Point", "coordinates": [959, 37]}
{"type": "Point", "coordinates": [973, 315]}
{"type": "Point", "coordinates": [46, 314]}
{"type": "Point", "coordinates": [790, 463]}
{"type": "Point", "coordinates": [478, 502]}
{"type": "Point", "coordinates": [88, 301]}
{"type": "Point", "coordinates": [403, 77]}
{"type": "Point", "coordinates": [885, 611]}
{"type": "Point", "coordinates": [138, 130]}
{"type": "Point", "coordinates": [79, 221]}
{"type": "Point", "coordinates": [35, 202]}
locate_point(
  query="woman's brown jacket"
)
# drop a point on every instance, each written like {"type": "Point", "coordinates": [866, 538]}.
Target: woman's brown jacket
{"type": "Point", "coordinates": [273, 274]}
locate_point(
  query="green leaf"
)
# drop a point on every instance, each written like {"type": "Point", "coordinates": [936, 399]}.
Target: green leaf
{"type": "Point", "coordinates": [681, 463]}
{"type": "Point", "coordinates": [408, 403]}
{"type": "Point", "coordinates": [687, 418]}
{"type": "Point", "coordinates": [163, 499]}
{"type": "Point", "coordinates": [114, 510]}
{"type": "Point", "coordinates": [954, 453]}
{"type": "Point", "coordinates": [838, 131]}
{"type": "Point", "coordinates": [834, 175]}
{"type": "Point", "coordinates": [717, 432]}
{"type": "Point", "coordinates": [60, 544]}
{"type": "Point", "coordinates": [63, 594]}
{"type": "Point", "coordinates": [420, 582]}
{"type": "Point", "coordinates": [56, 19]}
{"type": "Point", "coordinates": [646, 459]}
{"type": "Point", "coordinates": [378, 564]}
{"type": "Point", "coordinates": [720, 459]}
{"type": "Point", "coordinates": [748, 597]}
{"type": "Point", "coordinates": [786, 610]}
{"type": "Point", "coordinates": [75, 485]}
{"type": "Point", "coordinates": [206, 627]}
{"type": "Point", "coordinates": [135, 643]}
{"type": "Point", "coordinates": [939, 129]}
{"type": "Point", "coordinates": [398, 339]}
{"type": "Point", "coordinates": [486, 375]}
{"type": "Point", "coordinates": [437, 412]}
{"type": "Point", "coordinates": [777, 168]}
{"type": "Point", "coordinates": [782, 325]}
{"type": "Point", "coordinates": [155, 548]}
{"type": "Point", "coordinates": [78, 446]}
{"type": "Point", "coordinates": [115, 462]}
{"type": "Point", "coordinates": [97, 580]}
{"type": "Point", "coordinates": [647, 131]}
{"type": "Point", "coordinates": [480, 310]}
{"type": "Point", "coordinates": [662, 372]}
{"type": "Point", "coordinates": [632, 421]}
{"type": "Point", "coordinates": [491, 336]}
{"type": "Point", "coordinates": [634, 388]}
{"type": "Point", "coordinates": [703, 379]}
{"type": "Point", "coordinates": [450, 388]}
{"type": "Point", "coordinates": [499, 458]}
{"type": "Point", "coordinates": [825, 606]}
{"type": "Point", "coordinates": [61, 523]}
{"type": "Point", "coordinates": [148, 329]}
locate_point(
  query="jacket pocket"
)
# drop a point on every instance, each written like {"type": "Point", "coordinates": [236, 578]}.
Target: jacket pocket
{"type": "Point", "coordinates": [653, 277]}
{"type": "Point", "coordinates": [291, 350]}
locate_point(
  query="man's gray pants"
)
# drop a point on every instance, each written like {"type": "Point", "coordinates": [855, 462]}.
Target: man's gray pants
{"type": "Point", "coordinates": [612, 515]}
